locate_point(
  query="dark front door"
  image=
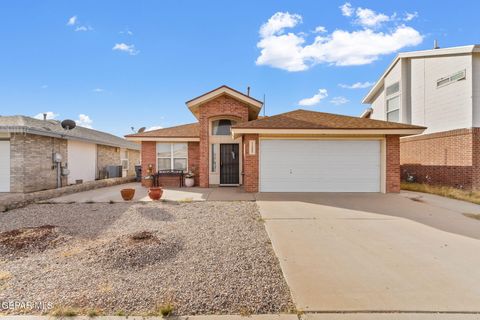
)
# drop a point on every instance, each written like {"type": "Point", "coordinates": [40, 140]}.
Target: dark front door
{"type": "Point", "coordinates": [229, 164]}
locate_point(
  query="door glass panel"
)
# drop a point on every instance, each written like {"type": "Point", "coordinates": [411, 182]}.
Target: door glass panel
{"type": "Point", "coordinates": [214, 158]}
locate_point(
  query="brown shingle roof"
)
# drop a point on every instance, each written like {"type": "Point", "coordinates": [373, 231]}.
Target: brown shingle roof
{"type": "Point", "coordinates": [304, 119]}
{"type": "Point", "coordinates": [190, 130]}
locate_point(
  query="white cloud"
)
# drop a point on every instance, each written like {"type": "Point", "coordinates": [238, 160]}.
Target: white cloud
{"type": "Point", "coordinates": [44, 86]}
{"type": "Point", "coordinates": [369, 18]}
{"type": "Point", "coordinates": [278, 22]}
{"type": "Point", "coordinates": [357, 85]}
{"type": "Point", "coordinates": [154, 128]}
{"type": "Point", "coordinates": [84, 121]}
{"type": "Point", "coordinates": [320, 29]}
{"type": "Point", "coordinates": [409, 16]}
{"type": "Point", "coordinates": [72, 21]}
{"type": "Point", "coordinates": [342, 48]}
{"type": "Point", "coordinates": [127, 32]}
{"type": "Point", "coordinates": [50, 115]}
{"type": "Point", "coordinates": [98, 90]}
{"type": "Point", "coordinates": [322, 94]}
{"type": "Point", "coordinates": [83, 28]}
{"type": "Point", "coordinates": [339, 100]}
{"type": "Point", "coordinates": [346, 9]}
{"type": "Point", "coordinates": [129, 48]}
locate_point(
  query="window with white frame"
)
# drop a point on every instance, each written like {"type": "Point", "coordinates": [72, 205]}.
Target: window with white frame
{"type": "Point", "coordinates": [124, 159]}
{"type": "Point", "coordinates": [172, 156]}
{"type": "Point", "coordinates": [392, 108]}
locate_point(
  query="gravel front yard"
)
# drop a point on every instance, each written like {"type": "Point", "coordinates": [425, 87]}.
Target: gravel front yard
{"type": "Point", "coordinates": [203, 258]}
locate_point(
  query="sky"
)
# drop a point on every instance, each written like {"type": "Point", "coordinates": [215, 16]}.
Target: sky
{"type": "Point", "coordinates": [114, 65]}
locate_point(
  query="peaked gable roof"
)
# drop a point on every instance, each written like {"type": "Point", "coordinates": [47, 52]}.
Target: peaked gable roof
{"type": "Point", "coordinates": [253, 104]}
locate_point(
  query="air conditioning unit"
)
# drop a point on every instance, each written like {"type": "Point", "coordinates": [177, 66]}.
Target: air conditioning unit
{"type": "Point", "coordinates": [114, 171]}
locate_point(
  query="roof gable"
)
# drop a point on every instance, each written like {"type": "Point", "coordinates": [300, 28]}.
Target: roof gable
{"type": "Point", "coordinates": [254, 105]}
{"type": "Point", "coordinates": [186, 131]}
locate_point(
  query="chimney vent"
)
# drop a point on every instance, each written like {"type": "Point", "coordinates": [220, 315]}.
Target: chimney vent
{"type": "Point", "coordinates": [435, 44]}
{"type": "Point", "coordinates": [248, 91]}
{"type": "Point", "coordinates": [44, 117]}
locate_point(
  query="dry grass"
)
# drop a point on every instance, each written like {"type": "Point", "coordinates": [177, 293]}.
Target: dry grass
{"type": "Point", "coordinates": [475, 216]}
{"type": "Point", "coordinates": [5, 275]}
{"type": "Point", "coordinates": [449, 192]}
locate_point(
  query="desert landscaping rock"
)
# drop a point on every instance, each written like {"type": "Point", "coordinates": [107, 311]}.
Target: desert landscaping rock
{"type": "Point", "coordinates": [203, 258]}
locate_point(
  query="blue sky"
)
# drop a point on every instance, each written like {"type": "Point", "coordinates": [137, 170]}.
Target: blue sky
{"type": "Point", "coordinates": [123, 64]}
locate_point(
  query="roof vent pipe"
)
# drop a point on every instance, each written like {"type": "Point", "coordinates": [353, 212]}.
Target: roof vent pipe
{"type": "Point", "coordinates": [248, 91]}
{"type": "Point", "coordinates": [44, 117]}
{"type": "Point", "coordinates": [435, 44]}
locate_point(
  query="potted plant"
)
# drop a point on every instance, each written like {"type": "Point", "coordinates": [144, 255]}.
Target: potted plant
{"type": "Point", "coordinates": [189, 179]}
{"type": "Point", "coordinates": [127, 193]}
{"type": "Point", "coordinates": [155, 193]}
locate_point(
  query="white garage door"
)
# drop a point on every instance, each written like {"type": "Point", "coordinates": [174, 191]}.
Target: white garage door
{"type": "Point", "coordinates": [4, 166]}
{"type": "Point", "coordinates": [82, 161]}
{"type": "Point", "coordinates": [320, 166]}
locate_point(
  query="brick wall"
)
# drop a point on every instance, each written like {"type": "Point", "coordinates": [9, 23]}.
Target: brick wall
{"type": "Point", "coordinates": [31, 162]}
{"type": "Point", "coordinates": [194, 159]}
{"type": "Point", "coordinates": [220, 106]}
{"type": "Point", "coordinates": [106, 156]}
{"type": "Point", "coordinates": [149, 156]}
{"type": "Point", "coordinates": [250, 164]}
{"type": "Point", "coordinates": [392, 163]}
{"type": "Point", "coordinates": [444, 158]}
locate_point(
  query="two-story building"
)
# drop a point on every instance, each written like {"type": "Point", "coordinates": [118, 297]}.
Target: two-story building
{"type": "Point", "coordinates": [438, 89]}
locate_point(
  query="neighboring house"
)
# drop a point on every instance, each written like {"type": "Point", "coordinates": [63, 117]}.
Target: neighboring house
{"type": "Point", "coordinates": [297, 151]}
{"type": "Point", "coordinates": [28, 147]}
{"type": "Point", "coordinates": [438, 89]}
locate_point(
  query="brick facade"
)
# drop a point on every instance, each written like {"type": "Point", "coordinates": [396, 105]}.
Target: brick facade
{"type": "Point", "coordinates": [250, 164]}
{"type": "Point", "coordinates": [149, 156]}
{"type": "Point", "coordinates": [194, 159]}
{"type": "Point", "coordinates": [106, 156]}
{"type": "Point", "coordinates": [31, 164]}
{"type": "Point", "coordinates": [392, 164]}
{"type": "Point", "coordinates": [220, 106]}
{"type": "Point", "coordinates": [448, 158]}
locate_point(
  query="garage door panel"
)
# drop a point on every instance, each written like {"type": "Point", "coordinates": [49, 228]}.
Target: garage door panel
{"type": "Point", "coordinates": [82, 158]}
{"type": "Point", "coordinates": [4, 166]}
{"type": "Point", "coordinates": [319, 166]}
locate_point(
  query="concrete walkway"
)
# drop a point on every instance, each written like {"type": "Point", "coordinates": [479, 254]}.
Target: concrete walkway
{"type": "Point", "coordinates": [374, 252]}
{"type": "Point", "coordinates": [172, 194]}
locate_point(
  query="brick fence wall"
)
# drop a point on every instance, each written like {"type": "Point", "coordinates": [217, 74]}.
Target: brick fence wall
{"type": "Point", "coordinates": [443, 158]}
{"type": "Point", "coordinates": [392, 163]}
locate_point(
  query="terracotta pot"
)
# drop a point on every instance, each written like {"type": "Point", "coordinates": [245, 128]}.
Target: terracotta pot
{"type": "Point", "coordinates": [148, 182]}
{"type": "Point", "coordinates": [155, 193]}
{"type": "Point", "coordinates": [127, 194]}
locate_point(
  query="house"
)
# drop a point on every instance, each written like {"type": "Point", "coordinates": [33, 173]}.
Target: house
{"type": "Point", "coordinates": [438, 89]}
{"type": "Point", "coordinates": [37, 154]}
{"type": "Point", "coordinates": [297, 151]}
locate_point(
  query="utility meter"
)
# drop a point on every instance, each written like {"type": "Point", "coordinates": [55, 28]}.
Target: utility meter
{"type": "Point", "coordinates": [57, 157]}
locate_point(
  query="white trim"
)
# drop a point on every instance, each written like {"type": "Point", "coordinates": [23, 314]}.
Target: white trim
{"type": "Point", "coordinates": [172, 158]}
{"type": "Point", "coordinates": [223, 90]}
{"type": "Point", "coordinates": [163, 139]}
{"type": "Point", "coordinates": [287, 132]}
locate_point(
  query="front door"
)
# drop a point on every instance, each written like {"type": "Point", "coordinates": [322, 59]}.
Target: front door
{"type": "Point", "coordinates": [229, 164]}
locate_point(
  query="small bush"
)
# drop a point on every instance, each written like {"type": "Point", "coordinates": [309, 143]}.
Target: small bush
{"type": "Point", "coordinates": [93, 313]}
{"type": "Point", "coordinates": [64, 312]}
{"type": "Point", "coordinates": [444, 191]}
{"type": "Point", "coordinates": [120, 313]}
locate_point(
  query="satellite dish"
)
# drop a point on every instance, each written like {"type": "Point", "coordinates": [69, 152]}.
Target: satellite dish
{"type": "Point", "coordinates": [68, 124]}
{"type": "Point", "coordinates": [142, 129]}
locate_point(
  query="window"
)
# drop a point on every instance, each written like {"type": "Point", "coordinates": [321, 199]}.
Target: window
{"type": "Point", "coordinates": [393, 102]}
{"type": "Point", "coordinates": [222, 127]}
{"type": "Point", "coordinates": [457, 76]}
{"type": "Point", "coordinates": [172, 156]}
{"type": "Point", "coordinates": [214, 158]}
{"type": "Point", "coordinates": [124, 159]}
{"type": "Point", "coordinates": [393, 109]}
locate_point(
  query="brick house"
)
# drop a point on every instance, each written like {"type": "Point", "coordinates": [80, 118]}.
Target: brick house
{"type": "Point", "coordinates": [28, 146]}
{"type": "Point", "coordinates": [438, 89]}
{"type": "Point", "coordinates": [297, 151]}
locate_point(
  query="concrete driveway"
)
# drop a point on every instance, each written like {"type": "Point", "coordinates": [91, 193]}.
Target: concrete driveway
{"type": "Point", "coordinates": [374, 252]}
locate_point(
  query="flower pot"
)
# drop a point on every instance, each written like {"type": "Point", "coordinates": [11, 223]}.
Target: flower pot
{"type": "Point", "coordinates": [127, 194]}
{"type": "Point", "coordinates": [189, 182]}
{"type": "Point", "coordinates": [155, 193]}
{"type": "Point", "coordinates": [148, 182]}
